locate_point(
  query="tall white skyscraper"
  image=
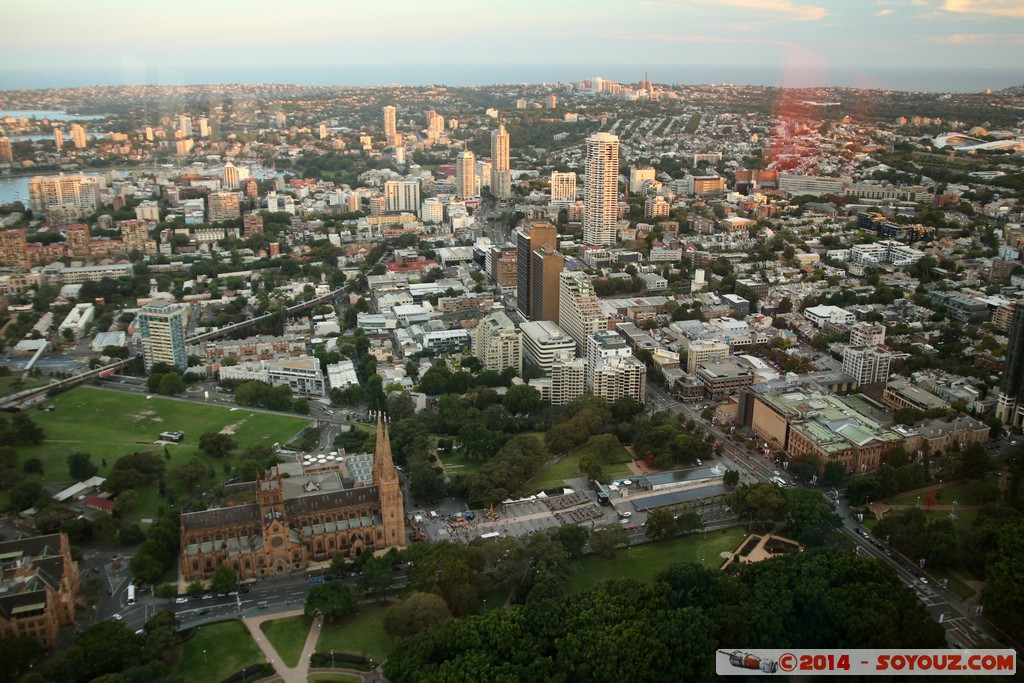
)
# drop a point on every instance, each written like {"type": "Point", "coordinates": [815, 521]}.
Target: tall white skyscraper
{"type": "Point", "coordinates": [465, 175]}
{"type": "Point", "coordinates": [58, 139]}
{"type": "Point", "coordinates": [390, 121]}
{"type": "Point", "coordinates": [579, 311]}
{"type": "Point", "coordinates": [402, 195]}
{"type": "Point", "coordinates": [233, 176]}
{"type": "Point", "coordinates": [563, 188]}
{"type": "Point", "coordinates": [162, 328]}
{"type": "Point", "coordinates": [601, 195]}
{"type": "Point", "coordinates": [501, 176]}
{"type": "Point", "coordinates": [185, 125]}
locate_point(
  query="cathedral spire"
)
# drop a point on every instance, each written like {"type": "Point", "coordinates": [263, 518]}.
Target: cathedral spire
{"type": "Point", "coordinates": [383, 463]}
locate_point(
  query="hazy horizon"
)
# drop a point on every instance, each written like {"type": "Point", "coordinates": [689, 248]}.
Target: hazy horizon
{"type": "Point", "coordinates": [937, 79]}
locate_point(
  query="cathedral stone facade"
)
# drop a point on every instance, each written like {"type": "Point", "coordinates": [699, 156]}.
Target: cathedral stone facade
{"type": "Point", "coordinates": [296, 521]}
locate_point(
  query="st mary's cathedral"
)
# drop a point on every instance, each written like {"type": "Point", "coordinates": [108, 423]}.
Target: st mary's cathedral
{"type": "Point", "coordinates": [297, 520]}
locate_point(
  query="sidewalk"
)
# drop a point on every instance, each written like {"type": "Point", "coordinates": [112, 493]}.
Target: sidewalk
{"type": "Point", "coordinates": [300, 672]}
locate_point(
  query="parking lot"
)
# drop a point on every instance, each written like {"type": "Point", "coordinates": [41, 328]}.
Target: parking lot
{"type": "Point", "coordinates": [520, 518]}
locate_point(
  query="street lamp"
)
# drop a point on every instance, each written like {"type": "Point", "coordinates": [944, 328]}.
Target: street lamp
{"type": "Point", "coordinates": [204, 656]}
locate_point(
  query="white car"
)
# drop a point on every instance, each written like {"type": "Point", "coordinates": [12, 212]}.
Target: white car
{"type": "Point", "coordinates": [180, 601]}
{"type": "Point", "coordinates": [118, 617]}
{"type": "Point", "coordinates": [627, 513]}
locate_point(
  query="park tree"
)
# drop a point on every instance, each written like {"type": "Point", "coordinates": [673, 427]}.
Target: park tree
{"type": "Point", "coordinates": [417, 612]}
{"type": "Point", "coordinates": [21, 431]}
{"type": "Point", "coordinates": [606, 446]}
{"type": "Point", "coordinates": [377, 573]}
{"type": "Point", "coordinates": [809, 517]}
{"type": "Point", "coordinates": [217, 444]}
{"type": "Point", "coordinates": [572, 537]}
{"type": "Point", "coordinates": [17, 654]}
{"type": "Point", "coordinates": [171, 384]}
{"type": "Point", "coordinates": [224, 579]}
{"type": "Point", "coordinates": [279, 398]}
{"type": "Point", "coordinates": [731, 478]}
{"type": "Point", "coordinates": [251, 393]}
{"type": "Point", "coordinates": [590, 467]}
{"type": "Point", "coordinates": [32, 466]}
{"type": "Point", "coordinates": [330, 601]}
{"type": "Point", "coordinates": [80, 466]}
{"type": "Point", "coordinates": [301, 406]}
{"type": "Point", "coordinates": [661, 524]}
{"type": "Point", "coordinates": [27, 494]}
{"type": "Point", "coordinates": [127, 501]}
{"type": "Point", "coordinates": [146, 568]}
{"type": "Point", "coordinates": [690, 521]}
{"type": "Point", "coordinates": [105, 648]}
{"type": "Point", "coordinates": [835, 474]}
{"type": "Point", "coordinates": [522, 399]}
{"type": "Point", "coordinates": [400, 406]}
{"type": "Point", "coordinates": [764, 502]}
{"type": "Point", "coordinates": [606, 538]}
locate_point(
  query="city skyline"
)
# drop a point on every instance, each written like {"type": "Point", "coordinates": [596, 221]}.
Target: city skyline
{"type": "Point", "coordinates": [789, 42]}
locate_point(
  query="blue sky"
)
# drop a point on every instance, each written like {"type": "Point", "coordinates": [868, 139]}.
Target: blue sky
{"type": "Point", "coordinates": [802, 34]}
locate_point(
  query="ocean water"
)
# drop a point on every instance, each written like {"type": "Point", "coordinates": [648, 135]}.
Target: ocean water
{"type": "Point", "coordinates": [889, 78]}
{"type": "Point", "coordinates": [12, 189]}
{"type": "Point", "coordinates": [45, 114]}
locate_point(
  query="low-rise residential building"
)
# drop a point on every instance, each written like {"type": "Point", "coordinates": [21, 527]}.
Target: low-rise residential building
{"type": "Point", "coordinates": [302, 375]}
{"type": "Point", "coordinates": [899, 393]}
{"type": "Point", "coordinates": [867, 364]}
{"type": "Point", "coordinates": [700, 351]}
{"type": "Point", "coordinates": [724, 378]}
{"type": "Point", "coordinates": [819, 315]}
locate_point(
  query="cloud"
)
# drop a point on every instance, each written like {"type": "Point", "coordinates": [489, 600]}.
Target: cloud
{"type": "Point", "coordinates": [695, 38]}
{"type": "Point", "coordinates": [780, 10]}
{"type": "Point", "coordinates": [884, 12]}
{"type": "Point", "coordinates": [970, 38]}
{"type": "Point", "coordinates": [995, 8]}
{"type": "Point", "coordinates": [783, 8]}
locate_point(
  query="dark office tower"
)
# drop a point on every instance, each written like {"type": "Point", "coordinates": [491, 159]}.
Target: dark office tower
{"type": "Point", "coordinates": [544, 272]}
{"type": "Point", "coordinates": [528, 240]}
{"type": "Point", "coordinates": [1011, 399]}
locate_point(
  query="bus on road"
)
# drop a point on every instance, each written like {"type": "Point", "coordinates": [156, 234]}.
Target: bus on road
{"type": "Point", "coordinates": [131, 593]}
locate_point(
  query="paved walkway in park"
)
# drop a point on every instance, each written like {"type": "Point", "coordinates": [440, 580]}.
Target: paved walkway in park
{"type": "Point", "coordinates": [300, 672]}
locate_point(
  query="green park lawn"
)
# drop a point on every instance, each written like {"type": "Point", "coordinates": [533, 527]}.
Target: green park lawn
{"type": "Point", "coordinates": [457, 463]}
{"type": "Point", "coordinates": [110, 424]}
{"type": "Point", "coordinates": [568, 467]}
{"type": "Point", "coordinates": [340, 678]}
{"type": "Point", "coordinates": [216, 651]}
{"type": "Point", "coordinates": [361, 634]}
{"type": "Point", "coordinates": [8, 382]}
{"type": "Point", "coordinates": [945, 494]}
{"type": "Point", "coordinates": [642, 562]}
{"type": "Point", "coordinates": [288, 636]}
